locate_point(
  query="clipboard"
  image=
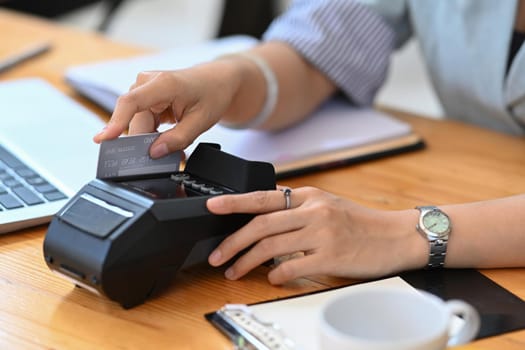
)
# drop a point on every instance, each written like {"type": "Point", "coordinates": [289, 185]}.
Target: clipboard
{"type": "Point", "coordinates": [249, 328]}
{"type": "Point", "coordinates": [273, 325]}
{"type": "Point", "coordinates": [247, 331]}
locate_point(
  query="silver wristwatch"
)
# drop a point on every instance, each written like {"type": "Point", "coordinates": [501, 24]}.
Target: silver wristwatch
{"type": "Point", "coordinates": [435, 226]}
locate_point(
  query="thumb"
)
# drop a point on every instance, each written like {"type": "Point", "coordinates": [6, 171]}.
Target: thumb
{"type": "Point", "coordinates": [155, 92]}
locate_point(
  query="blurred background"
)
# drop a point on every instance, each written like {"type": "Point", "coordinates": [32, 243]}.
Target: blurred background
{"type": "Point", "coordinates": [161, 24]}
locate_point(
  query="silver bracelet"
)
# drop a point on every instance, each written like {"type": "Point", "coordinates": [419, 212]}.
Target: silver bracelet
{"type": "Point", "coordinates": [272, 93]}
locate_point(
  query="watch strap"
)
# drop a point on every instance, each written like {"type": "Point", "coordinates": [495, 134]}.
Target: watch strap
{"type": "Point", "coordinates": [438, 252]}
{"type": "Point", "coordinates": [424, 208]}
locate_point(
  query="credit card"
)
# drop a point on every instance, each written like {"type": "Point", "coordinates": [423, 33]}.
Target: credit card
{"type": "Point", "coordinates": [129, 156]}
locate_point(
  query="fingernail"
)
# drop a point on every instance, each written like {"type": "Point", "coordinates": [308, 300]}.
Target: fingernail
{"type": "Point", "coordinates": [215, 257]}
{"type": "Point", "coordinates": [159, 151]}
{"type": "Point", "coordinates": [214, 203]}
{"type": "Point", "coordinates": [102, 131]}
{"type": "Point", "coordinates": [230, 273]}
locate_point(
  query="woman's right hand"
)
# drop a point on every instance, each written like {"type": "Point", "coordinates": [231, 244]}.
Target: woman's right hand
{"type": "Point", "coordinates": [193, 99]}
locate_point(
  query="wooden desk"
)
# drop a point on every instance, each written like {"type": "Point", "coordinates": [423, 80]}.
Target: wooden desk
{"type": "Point", "coordinates": [40, 310]}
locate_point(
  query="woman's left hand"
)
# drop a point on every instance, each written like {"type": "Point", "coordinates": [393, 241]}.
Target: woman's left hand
{"type": "Point", "coordinates": [337, 236]}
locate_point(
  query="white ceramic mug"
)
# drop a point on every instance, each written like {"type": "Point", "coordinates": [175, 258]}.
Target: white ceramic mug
{"type": "Point", "coordinates": [390, 318]}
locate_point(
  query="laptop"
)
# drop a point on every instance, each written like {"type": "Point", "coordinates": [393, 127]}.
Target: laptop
{"type": "Point", "coordinates": [46, 151]}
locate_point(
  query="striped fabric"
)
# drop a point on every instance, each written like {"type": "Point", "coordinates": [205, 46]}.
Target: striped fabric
{"type": "Point", "coordinates": [345, 40]}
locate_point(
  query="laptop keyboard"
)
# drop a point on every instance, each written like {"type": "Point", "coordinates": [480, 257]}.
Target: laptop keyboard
{"type": "Point", "coordinates": [21, 186]}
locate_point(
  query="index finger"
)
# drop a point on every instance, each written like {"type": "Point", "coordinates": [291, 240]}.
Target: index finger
{"type": "Point", "coordinates": [253, 202]}
{"type": "Point", "coordinates": [152, 93]}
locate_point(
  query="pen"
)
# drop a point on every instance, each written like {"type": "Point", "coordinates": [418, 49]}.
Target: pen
{"type": "Point", "coordinates": [20, 57]}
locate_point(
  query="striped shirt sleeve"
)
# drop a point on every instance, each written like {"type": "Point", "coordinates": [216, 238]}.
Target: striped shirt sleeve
{"type": "Point", "coordinates": [347, 41]}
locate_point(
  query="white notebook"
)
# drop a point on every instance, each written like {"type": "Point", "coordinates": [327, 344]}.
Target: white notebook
{"type": "Point", "coordinates": [336, 134]}
{"type": "Point", "coordinates": [103, 82]}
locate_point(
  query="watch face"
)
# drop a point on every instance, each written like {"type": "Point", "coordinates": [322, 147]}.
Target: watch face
{"type": "Point", "coordinates": [436, 222]}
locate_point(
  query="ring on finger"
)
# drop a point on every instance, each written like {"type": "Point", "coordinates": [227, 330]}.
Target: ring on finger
{"type": "Point", "coordinates": [287, 192]}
